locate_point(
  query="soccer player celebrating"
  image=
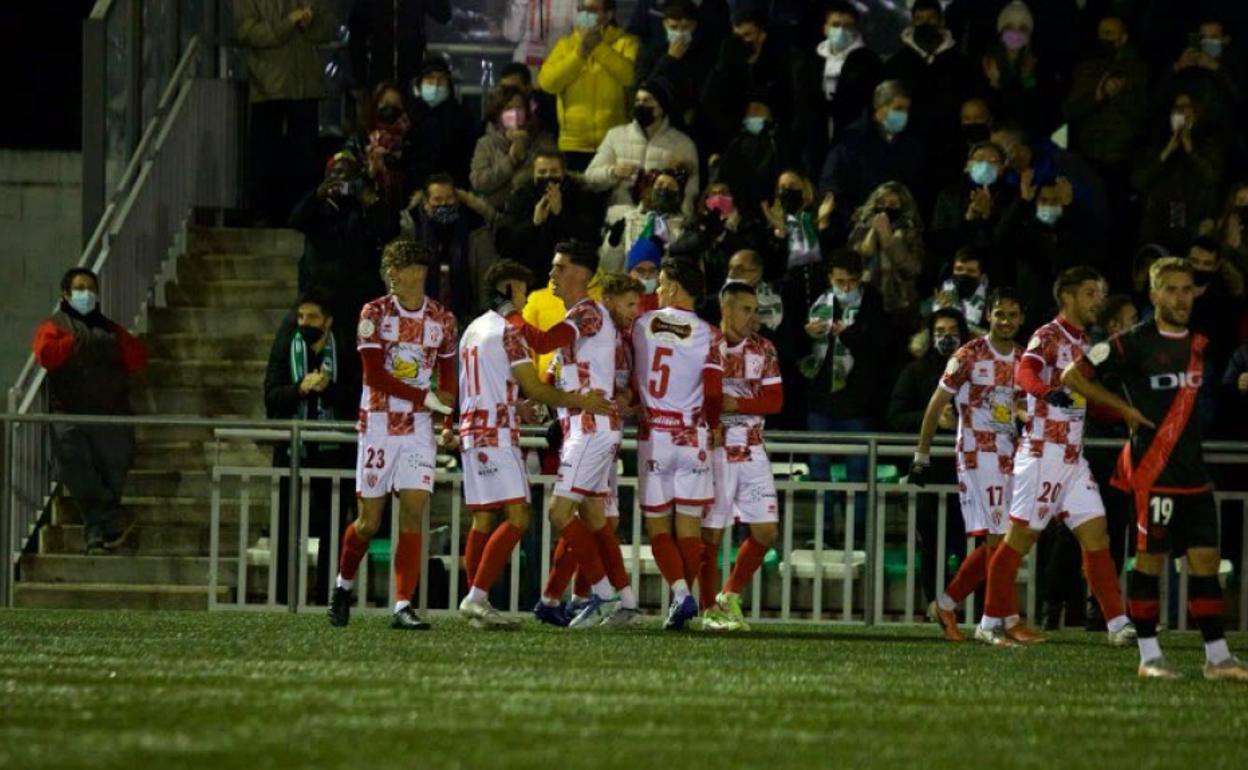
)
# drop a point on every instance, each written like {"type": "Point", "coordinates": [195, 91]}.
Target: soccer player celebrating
{"type": "Point", "coordinates": [1051, 475]}
{"type": "Point", "coordinates": [401, 337]}
{"type": "Point", "coordinates": [495, 358]}
{"type": "Point", "coordinates": [1160, 364]}
{"type": "Point", "coordinates": [620, 297]}
{"type": "Point", "coordinates": [744, 486]}
{"type": "Point", "coordinates": [979, 379]}
{"type": "Point", "coordinates": [679, 380]}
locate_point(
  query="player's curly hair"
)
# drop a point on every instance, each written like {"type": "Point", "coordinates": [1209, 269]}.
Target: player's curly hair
{"type": "Point", "coordinates": [507, 270]}
{"type": "Point", "coordinates": [615, 284]}
{"type": "Point", "coordinates": [404, 252]}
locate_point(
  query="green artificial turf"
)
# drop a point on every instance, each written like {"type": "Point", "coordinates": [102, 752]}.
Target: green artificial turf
{"type": "Point", "coordinates": [161, 690]}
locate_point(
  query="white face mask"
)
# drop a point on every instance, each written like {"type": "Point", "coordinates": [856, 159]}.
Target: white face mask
{"type": "Point", "coordinates": [82, 300]}
{"type": "Point", "coordinates": [650, 284]}
{"type": "Point", "coordinates": [1178, 121]}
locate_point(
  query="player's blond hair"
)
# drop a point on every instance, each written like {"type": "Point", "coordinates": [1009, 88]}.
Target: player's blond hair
{"type": "Point", "coordinates": [615, 284]}
{"type": "Point", "coordinates": [1158, 271]}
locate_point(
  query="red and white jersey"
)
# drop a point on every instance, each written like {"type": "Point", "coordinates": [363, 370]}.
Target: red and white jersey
{"type": "Point", "coordinates": [411, 342]}
{"type": "Point", "coordinates": [488, 394]}
{"type": "Point", "coordinates": [749, 366]}
{"type": "Point", "coordinates": [1055, 345]}
{"type": "Point", "coordinates": [623, 359]}
{"type": "Point", "coordinates": [587, 366]}
{"type": "Point", "coordinates": [671, 349]}
{"type": "Point", "coordinates": [982, 383]}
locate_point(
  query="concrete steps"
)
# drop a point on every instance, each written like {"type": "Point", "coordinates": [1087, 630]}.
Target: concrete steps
{"type": "Point", "coordinates": [113, 596]}
{"type": "Point", "coordinates": [212, 322]}
{"type": "Point", "coordinates": [244, 240]}
{"type": "Point", "coordinates": [127, 570]}
{"type": "Point", "coordinates": [198, 402]}
{"type": "Point", "coordinates": [236, 267]}
{"type": "Point", "coordinates": [200, 346]}
{"type": "Point", "coordinates": [234, 293]}
{"type": "Point", "coordinates": [210, 373]}
{"type": "Point", "coordinates": [145, 540]}
{"type": "Point", "coordinates": [194, 455]}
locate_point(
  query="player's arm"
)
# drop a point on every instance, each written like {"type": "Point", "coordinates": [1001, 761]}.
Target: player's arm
{"type": "Point", "coordinates": [376, 377]}
{"type": "Point", "coordinates": [533, 387]}
{"type": "Point", "coordinates": [940, 400]}
{"type": "Point", "coordinates": [560, 335]}
{"type": "Point", "coordinates": [770, 400]}
{"type": "Point", "coordinates": [1079, 377]}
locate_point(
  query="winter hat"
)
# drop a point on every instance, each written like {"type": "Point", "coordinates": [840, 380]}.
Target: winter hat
{"type": "Point", "coordinates": [661, 90]}
{"type": "Point", "coordinates": [1017, 14]}
{"type": "Point", "coordinates": [644, 250]}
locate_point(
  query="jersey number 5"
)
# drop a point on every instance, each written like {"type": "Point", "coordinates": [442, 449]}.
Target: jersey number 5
{"type": "Point", "coordinates": [658, 384]}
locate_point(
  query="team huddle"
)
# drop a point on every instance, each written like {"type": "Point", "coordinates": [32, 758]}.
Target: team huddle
{"type": "Point", "coordinates": [700, 394]}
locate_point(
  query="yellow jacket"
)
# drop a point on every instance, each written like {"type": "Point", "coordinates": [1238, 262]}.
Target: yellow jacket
{"type": "Point", "coordinates": [593, 92]}
{"type": "Point", "coordinates": [543, 310]}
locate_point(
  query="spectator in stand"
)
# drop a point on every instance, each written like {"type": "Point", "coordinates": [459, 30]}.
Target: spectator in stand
{"type": "Point", "coordinates": [387, 39]}
{"type": "Point", "coordinates": [1211, 72]}
{"type": "Point", "coordinates": [642, 263]}
{"type": "Point", "coordinates": [835, 82]}
{"type": "Point", "coordinates": [345, 224]}
{"type": "Point", "coordinates": [648, 142]}
{"type": "Point", "coordinates": [1234, 397]}
{"type": "Point", "coordinates": [800, 237]}
{"type": "Point", "coordinates": [714, 22]}
{"type": "Point", "coordinates": [313, 374]}
{"type": "Point", "coordinates": [717, 231]}
{"type": "Point", "coordinates": [1043, 236]}
{"type": "Point", "coordinates": [504, 155]}
{"type": "Point", "coordinates": [382, 143]}
{"type": "Point", "coordinates": [946, 332]}
{"type": "Point", "coordinates": [1219, 302]}
{"type": "Point", "coordinates": [681, 55]}
{"type": "Point", "coordinates": [541, 104]}
{"type": "Point", "coordinates": [657, 216]}
{"type": "Point", "coordinates": [1019, 84]}
{"type": "Point", "coordinates": [888, 233]}
{"type": "Point", "coordinates": [437, 219]}
{"type": "Point", "coordinates": [591, 72]}
{"type": "Point", "coordinates": [555, 206]}
{"type": "Point", "coordinates": [443, 133]}
{"type": "Point", "coordinates": [964, 290]}
{"type": "Point", "coordinates": [1178, 185]}
{"type": "Point", "coordinates": [1047, 163]}
{"type": "Point", "coordinates": [969, 213]}
{"type": "Point", "coordinates": [90, 359]}
{"type": "Point", "coordinates": [1230, 228]}
{"type": "Point", "coordinates": [939, 77]}
{"type": "Point", "coordinates": [285, 79]}
{"type": "Point", "coordinates": [842, 373]}
{"type": "Point", "coordinates": [536, 27]}
{"type": "Point", "coordinates": [975, 119]}
{"type": "Point", "coordinates": [878, 149]}
{"type": "Point", "coordinates": [749, 63]}
{"type": "Point", "coordinates": [746, 266]}
{"type": "Point", "coordinates": [755, 156]}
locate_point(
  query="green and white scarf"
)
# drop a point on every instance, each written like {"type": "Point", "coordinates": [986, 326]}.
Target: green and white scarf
{"type": "Point", "coordinates": [803, 239]}
{"type": "Point", "coordinates": [824, 309]}
{"type": "Point", "coordinates": [299, 370]}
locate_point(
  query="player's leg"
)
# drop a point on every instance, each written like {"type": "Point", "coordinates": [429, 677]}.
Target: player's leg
{"type": "Point", "coordinates": [1198, 530]}
{"type": "Point", "coordinates": [693, 489]}
{"type": "Point", "coordinates": [1029, 514]}
{"type": "Point", "coordinates": [478, 535]}
{"type": "Point", "coordinates": [594, 511]}
{"type": "Point", "coordinates": [976, 495]}
{"type": "Point", "coordinates": [1144, 595]}
{"type": "Point", "coordinates": [756, 505]}
{"type": "Point", "coordinates": [654, 484]}
{"type": "Point", "coordinates": [413, 503]}
{"type": "Point", "coordinates": [495, 478]}
{"type": "Point", "coordinates": [713, 616]}
{"type": "Point", "coordinates": [354, 548]}
{"type": "Point", "coordinates": [1086, 518]}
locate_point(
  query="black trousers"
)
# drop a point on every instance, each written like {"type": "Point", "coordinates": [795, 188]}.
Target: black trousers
{"type": "Point", "coordinates": [93, 462]}
{"type": "Point", "coordinates": [284, 163]}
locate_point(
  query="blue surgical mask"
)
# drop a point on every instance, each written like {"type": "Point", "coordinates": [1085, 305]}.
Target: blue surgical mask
{"type": "Point", "coordinates": [849, 298]}
{"type": "Point", "coordinates": [649, 284]}
{"type": "Point", "coordinates": [1048, 214]}
{"type": "Point", "coordinates": [754, 124]}
{"type": "Point", "coordinates": [679, 35]}
{"type": "Point", "coordinates": [895, 121]}
{"type": "Point", "coordinates": [983, 172]}
{"type": "Point", "coordinates": [1212, 47]}
{"type": "Point", "coordinates": [433, 94]}
{"type": "Point", "coordinates": [586, 19]}
{"type": "Point", "coordinates": [82, 300]}
{"type": "Point", "coordinates": [839, 37]}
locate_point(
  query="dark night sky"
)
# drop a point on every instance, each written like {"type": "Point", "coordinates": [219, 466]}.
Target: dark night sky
{"type": "Point", "coordinates": [42, 65]}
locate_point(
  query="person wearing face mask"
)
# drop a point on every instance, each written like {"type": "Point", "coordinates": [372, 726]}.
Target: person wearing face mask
{"type": "Point", "coordinates": [444, 133]}
{"type": "Point", "coordinates": [682, 54]}
{"type": "Point", "coordinates": [1218, 304]}
{"type": "Point", "coordinates": [591, 71]}
{"type": "Point", "coordinates": [718, 231]}
{"type": "Point", "coordinates": [749, 62]}
{"type": "Point", "coordinates": [1108, 99]}
{"type": "Point", "coordinates": [1021, 85]}
{"type": "Point", "coordinates": [965, 290]}
{"type": "Point", "coordinates": [642, 263]}
{"type": "Point", "coordinates": [312, 374]}
{"type": "Point", "coordinates": [1211, 69]}
{"type": "Point", "coordinates": [553, 207]}
{"type": "Point", "coordinates": [969, 211]}
{"type": "Point", "coordinates": [503, 158]}
{"type": "Point", "coordinates": [888, 233]}
{"type": "Point", "coordinates": [1230, 227]}
{"type": "Point", "coordinates": [754, 157]}
{"type": "Point", "coordinates": [441, 220]}
{"type": "Point", "coordinates": [835, 81]}
{"type": "Point", "coordinates": [713, 19]}
{"type": "Point", "coordinates": [658, 216]}
{"type": "Point", "coordinates": [89, 360]}
{"type": "Point", "coordinates": [381, 143]}
{"type": "Point", "coordinates": [877, 149]}
{"type": "Point", "coordinates": [647, 143]}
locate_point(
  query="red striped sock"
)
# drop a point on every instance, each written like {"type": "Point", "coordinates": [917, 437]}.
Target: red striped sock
{"type": "Point", "coordinates": [407, 565]}
{"type": "Point", "coordinates": [472, 552]}
{"type": "Point", "coordinates": [691, 557]}
{"type": "Point", "coordinates": [1001, 601]}
{"type": "Point", "coordinates": [1103, 580]}
{"type": "Point", "coordinates": [749, 558]}
{"type": "Point", "coordinates": [497, 551]}
{"type": "Point", "coordinates": [561, 570]}
{"type": "Point", "coordinates": [584, 549]}
{"type": "Point", "coordinates": [708, 576]}
{"type": "Point", "coordinates": [612, 558]}
{"type": "Point", "coordinates": [972, 572]}
{"type": "Point", "coordinates": [667, 557]}
{"type": "Point", "coordinates": [354, 548]}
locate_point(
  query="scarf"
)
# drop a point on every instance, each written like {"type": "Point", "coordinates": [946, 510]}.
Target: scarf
{"type": "Point", "coordinates": [803, 239]}
{"type": "Point", "coordinates": [770, 306]}
{"type": "Point", "coordinates": [973, 307]}
{"type": "Point", "coordinates": [299, 369]}
{"type": "Point", "coordinates": [825, 309]}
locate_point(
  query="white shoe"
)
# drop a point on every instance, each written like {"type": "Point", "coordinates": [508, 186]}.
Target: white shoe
{"type": "Point", "coordinates": [483, 615]}
{"type": "Point", "coordinates": [595, 613]}
{"type": "Point", "coordinates": [1158, 668]}
{"type": "Point", "coordinates": [1123, 637]}
{"type": "Point", "coordinates": [994, 636]}
{"type": "Point", "coordinates": [1232, 668]}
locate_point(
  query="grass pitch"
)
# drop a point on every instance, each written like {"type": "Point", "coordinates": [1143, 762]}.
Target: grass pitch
{"type": "Point", "coordinates": [130, 690]}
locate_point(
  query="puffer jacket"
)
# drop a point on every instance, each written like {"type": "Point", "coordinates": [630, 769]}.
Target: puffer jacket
{"type": "Point", "coordinates": [282, 59]}
{"type": "Point", "coordinates": [593, 93]}
{"type": "Point", "coordinates": [666, 148]}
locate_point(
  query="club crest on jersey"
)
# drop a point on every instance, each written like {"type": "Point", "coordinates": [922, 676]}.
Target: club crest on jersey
{"type": "Point", "coordinates": [701, 455]}
{"type": "Point", "coordinates": [370, 479]}
{"type": "Point", "coordinates": [433, 335]}
{"type": "Point", "coordinates": [660, 326]}
{"type": "Point", "coordinates": [366, 327]}
{"type": "Point", "coordinates": [485, 467]}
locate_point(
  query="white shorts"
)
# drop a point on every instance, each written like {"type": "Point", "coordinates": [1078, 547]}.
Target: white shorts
{"type": "Point", "coordinates": [1047, 487]}
{"type": "Point", "coordinates": [386, 464]}
{"type": "Point", "coordinates": [585, 464]}
{"type": "Point", "coordinates": [745, 490]}
{"type": "Point", "coordinates": [671, 474]}
{"type": "Point", "coordinates": [985, 494]}
{"type": "Point", "coordinates": [494, 476]}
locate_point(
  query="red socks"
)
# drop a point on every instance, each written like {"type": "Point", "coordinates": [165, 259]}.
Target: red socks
{"type": "Point", "coordinates": [472, 552]}
{"type": "Point", "coordinates": [667, 557]}
{"type": "Point", "coordinates": [1001, 601]}
{"type": "Point", "coordinates": [749, 558]}
{"type": "Point", "coordinates": [354, 548]}
{"type": "Point", "coordinates": [406, 565]}
{"type": "Point", "coordinates": [561, 569]}
{"type": "Point", "coordinates": [972, 572]}
{"type": "Point", "coordinates": [691, 555]}
{"type": "Point", "coordinates": [497, 551]}
{"type": "Point", "coordinates": [708, 577]}
{"type": "Point", "coordinates": [1103, 580]}
{"type": "Point", "coordinates": [584, 549]}
{"type": "Point", "coordinates": [612, 559]}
